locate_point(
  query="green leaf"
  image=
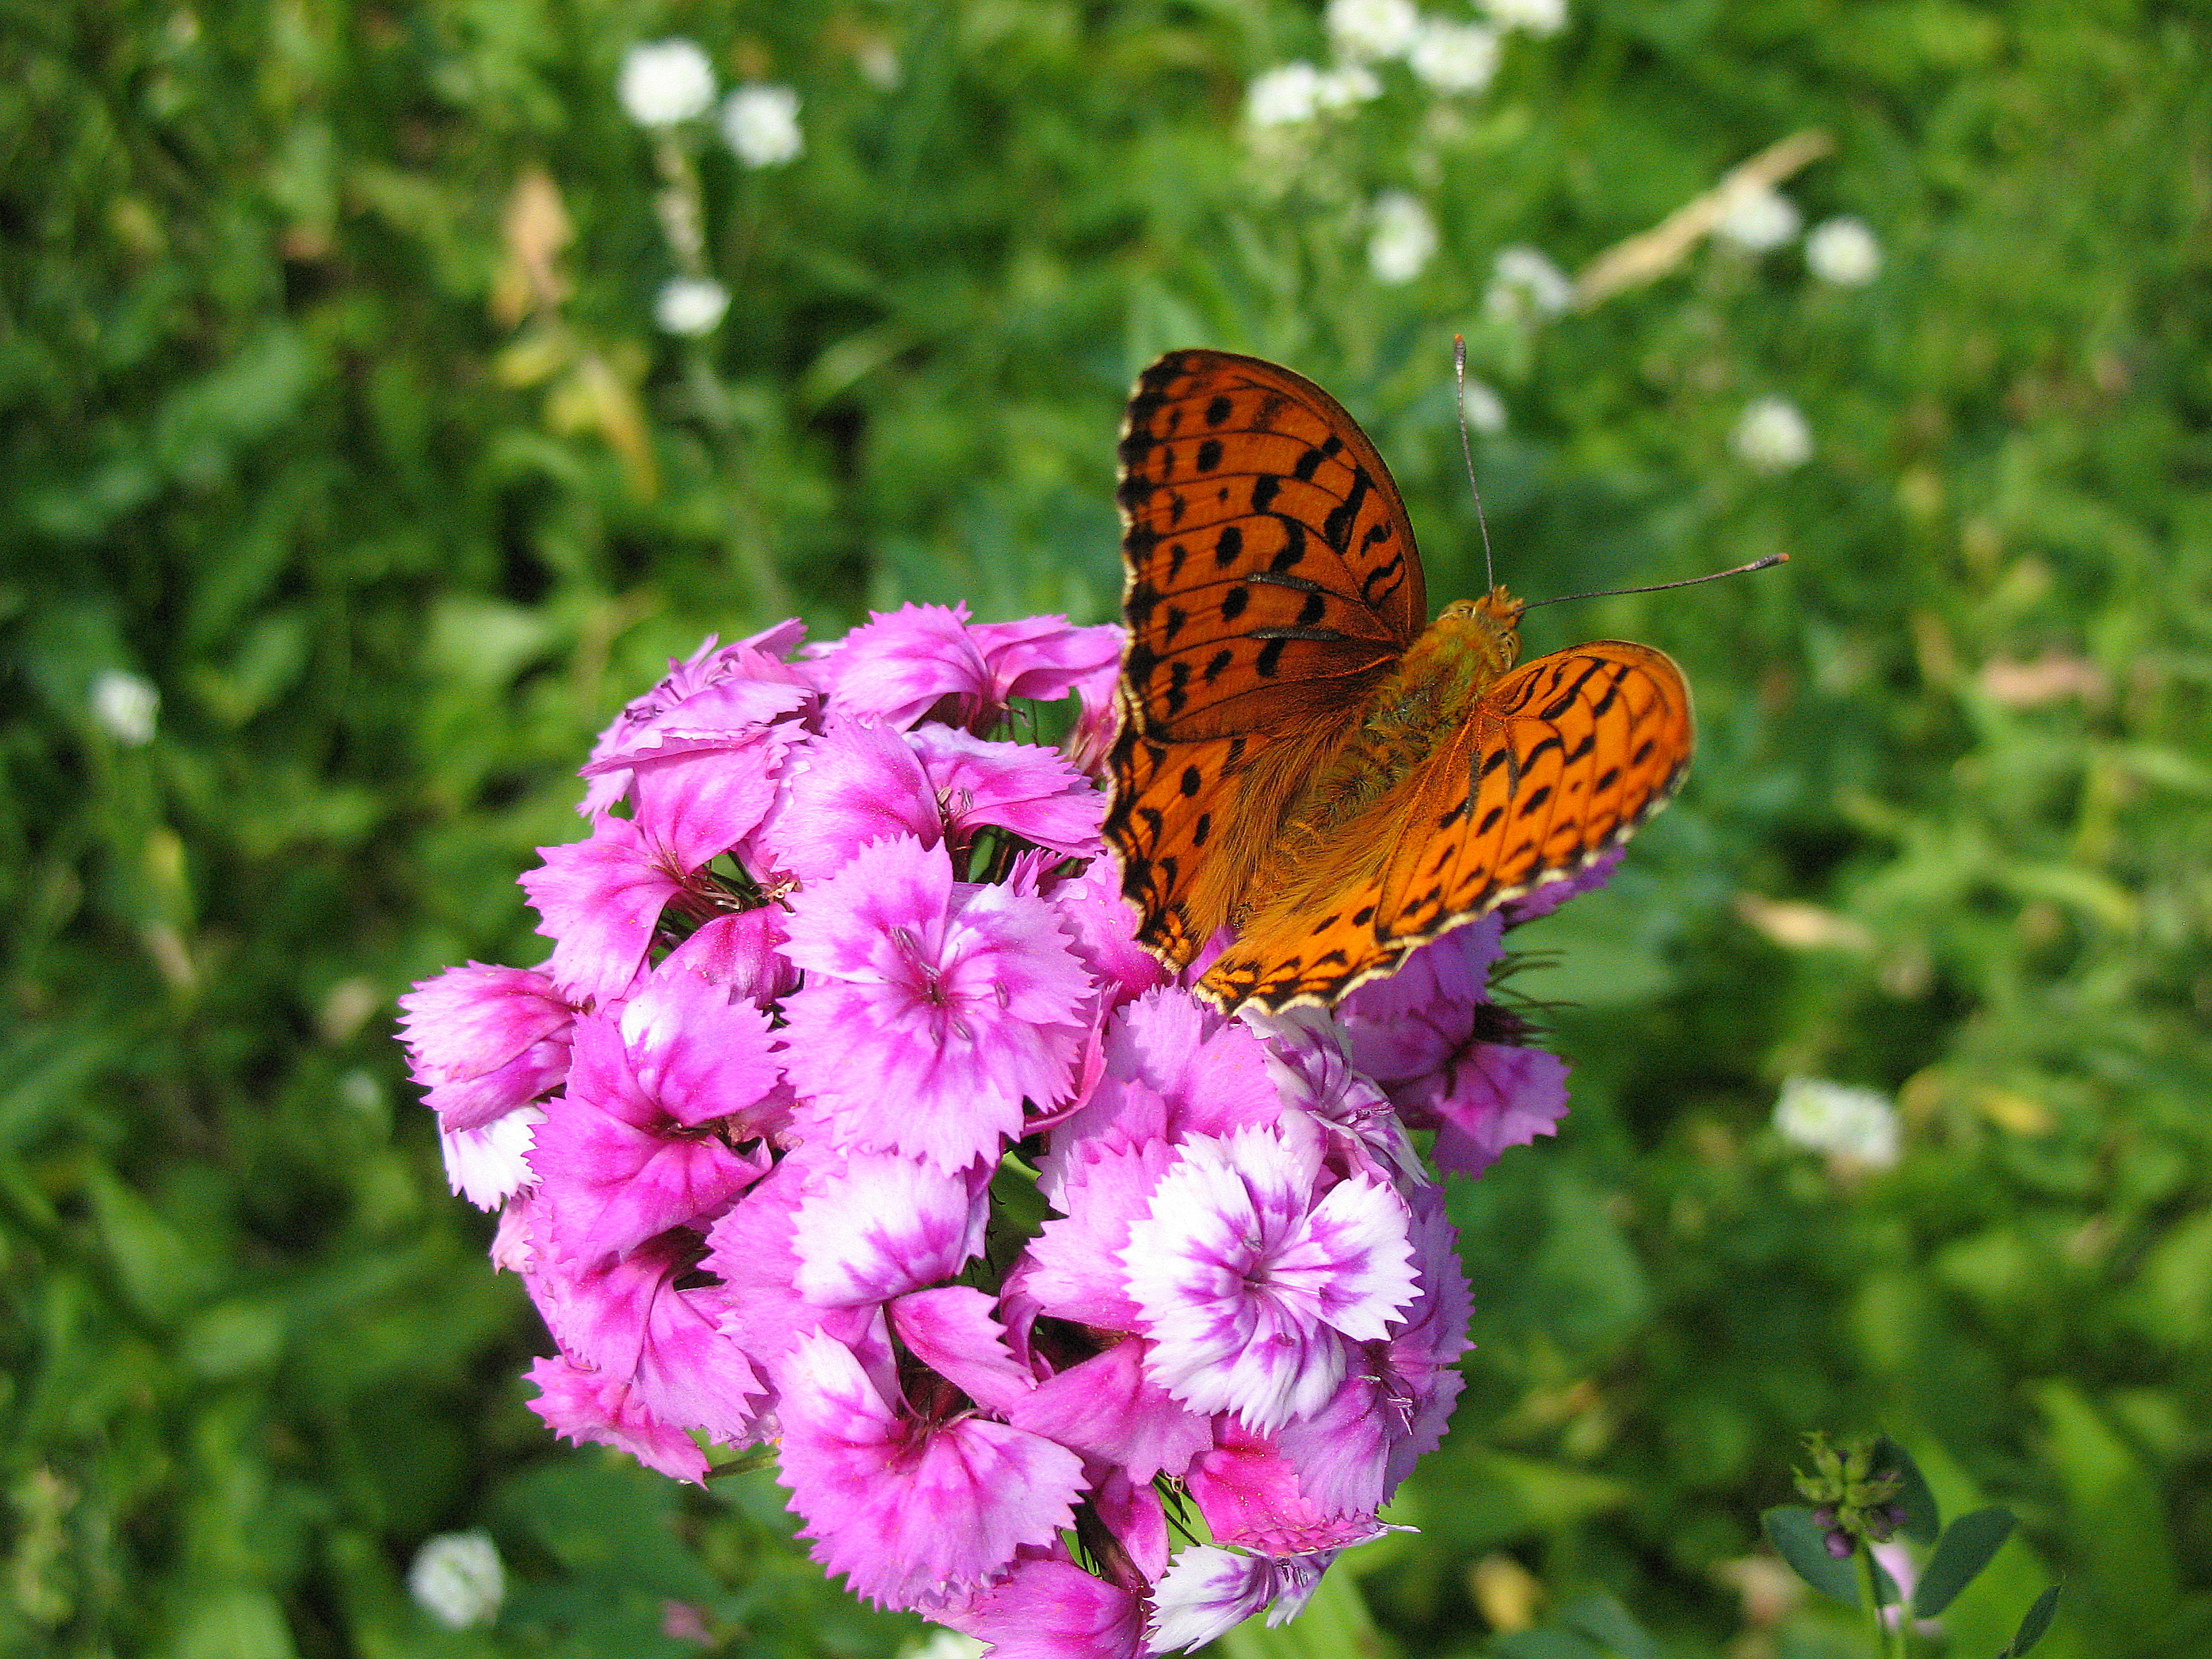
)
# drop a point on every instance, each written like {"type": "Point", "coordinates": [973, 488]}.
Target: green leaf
{"type": "Point", "coordinates": [1966, 1547]}
{"type": "Point", "coordinates": [1802, 1542]}
{"type": "Point", "coordinates": [1543, 1644]}
{"type": "Point", "coordinates": [1605, 1621]}
{"type": "Point", "coordinates": [1923, 1520]}
{"type": "Point", "coordinates": [2033, 1623]}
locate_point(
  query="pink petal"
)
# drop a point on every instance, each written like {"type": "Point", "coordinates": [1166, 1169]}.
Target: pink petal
{"type": "Point", "coordinates": [911, 1514]}
{"type": "Point", "coordinates": [1105, 932]}
{"type": "Point", "coordinates": [876, 1225]}
{"type": "Point", "coordinates": [1108, 1410]}
{"type": "Point", "coordinates": [1018, 786]}
{"type": "Point", "coordinates": [582, 1405]}
{"type": "Point", "coordinates": [700, 1051]}
{"type": "Point", "coordinates": [472, 1020]}
{"type": "Point", "coordinates": [600, 899]}
{"type": "Point", "coordinates": [1077, 1270]}
{"type": "Point", "coordinates": [631, 1323]}
{"type": "Point", "coordinates": [696, 804]}
{"type": "Point", "coordinates": [489, 1164]}
{"type": "Point", "coordinates": [750, 1250]}
{"type": "Point", "coordinates": [896, 668]}
{"type": "Point", "coordinates": [856, 782]}
{"type": "Point", "coordinates": [1048, 1609]}
{"type": "Point", "coordinates": [1044, 658]}
{"type": "Point", "coordinates": [743, 951]}
{"type": "Point", "coordinates": [954, 1332]}
{"type": "Point", "coordinates": [1208, 1592]}
{"type": "Point", "coordinates": [609, 1186]}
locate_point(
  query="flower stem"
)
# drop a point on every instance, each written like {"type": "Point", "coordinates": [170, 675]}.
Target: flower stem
{"type": "Point", "coordinates": [1888, 1638]}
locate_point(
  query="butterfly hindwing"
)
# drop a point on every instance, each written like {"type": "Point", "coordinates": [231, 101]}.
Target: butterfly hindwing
{"type": "Point", "coordinates": [1561, 760]}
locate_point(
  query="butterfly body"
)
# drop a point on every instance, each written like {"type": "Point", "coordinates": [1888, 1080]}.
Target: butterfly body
{"type": "Point", "coordinates": [1302, 757]}
{"type": "Point", "coordinates": [1436, 688]}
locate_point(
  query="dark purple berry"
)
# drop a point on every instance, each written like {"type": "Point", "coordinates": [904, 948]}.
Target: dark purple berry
{"type": "Point", "coordinates": [1839, 1545]}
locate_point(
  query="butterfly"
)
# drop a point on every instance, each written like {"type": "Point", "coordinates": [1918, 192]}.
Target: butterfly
{"type": "Point", "coordinates": [1301, 756]}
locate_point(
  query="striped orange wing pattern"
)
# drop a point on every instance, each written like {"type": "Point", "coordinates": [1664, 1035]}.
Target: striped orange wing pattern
{"type": "Point", "coordinates": [1559, 760]}
{"type": "Point", "coordinates": [1271, 583]}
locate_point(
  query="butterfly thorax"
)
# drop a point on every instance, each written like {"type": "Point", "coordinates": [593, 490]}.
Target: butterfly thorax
{"type": "Point", "coordinates": [1430, 693]}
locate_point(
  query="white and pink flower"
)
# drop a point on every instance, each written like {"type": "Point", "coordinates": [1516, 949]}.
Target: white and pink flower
{"type": "Point", "coordinates": [838, 961]}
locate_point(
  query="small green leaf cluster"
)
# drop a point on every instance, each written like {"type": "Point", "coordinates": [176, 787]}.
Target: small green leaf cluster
{"type": "Point", "coordinates": [1866, 1491]}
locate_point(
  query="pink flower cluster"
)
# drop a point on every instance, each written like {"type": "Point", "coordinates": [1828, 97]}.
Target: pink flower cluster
{"type": "Point", "coordinates": [847, 1115]}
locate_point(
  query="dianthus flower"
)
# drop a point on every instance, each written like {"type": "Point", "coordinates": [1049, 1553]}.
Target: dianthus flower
{"type": "Point", "coordinates": [842, 959]}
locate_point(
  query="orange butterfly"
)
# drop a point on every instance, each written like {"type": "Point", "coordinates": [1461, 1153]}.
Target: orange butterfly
{"type": "Point", "coordinates": [1299, 758]}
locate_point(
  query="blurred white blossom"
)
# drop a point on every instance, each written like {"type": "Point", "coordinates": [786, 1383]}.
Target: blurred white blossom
{"type": "Point", "coordinates": [879, 64]}
{"type": "Point", "coordinates": [1526, 287]}
{"type": "Point", "coordinates": [1857, 1124]}
{"type": "Point", "coordinates": [1485, 409]}
{"type": "Point", "coordinates": [125, 705]}
{"type": "Point", "coordinates": [690, 306]}
{"type": "Point", "coordinates": [1760, 219]}
{"type": "Point", "coordinates": [458, 1580]}
{"type": "Point", "coordinates": [1373, 29]}
{"type": "Point", "coordinates": [944, 1643]}
{"type": "Point", "coordinates": [665, 81]}
{"type": "Point", "coordinates": [761, 123]}
{"type": "Point", "coordinates": [1456, 57]}
{"type": "Point", "coordinates": [1283, 96]}
{"type": "Point", "coordinates": [1536, 16]}
{"type": "Point", "coordinates": [1404, 239]}
{"type": "Point", "coordinates": [1291, 93]}
{"type": "Point", "coordinates": [1843, 250]}
{"type": "Point", "coordinates": [1344, 85]}
{"type": "Point", "coordinates": [1771, 436]}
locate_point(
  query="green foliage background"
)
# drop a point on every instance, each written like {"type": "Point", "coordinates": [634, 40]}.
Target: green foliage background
{"type": "Point", "coordinates": [280, 438]}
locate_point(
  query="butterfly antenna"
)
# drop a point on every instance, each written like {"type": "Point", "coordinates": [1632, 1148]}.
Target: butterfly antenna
{"type": "Point", "coordinates": [1466, 453]}
{"type": "Point", "coordinates": [1766, 564]}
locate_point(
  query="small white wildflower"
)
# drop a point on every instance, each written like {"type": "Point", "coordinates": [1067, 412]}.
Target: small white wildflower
{"type": "Point", "coordinates": [1456, 57]}
{"type": "Point", "coordinates": [1822, 1116]}
{"type": "Point", "coordinates": [458, 1580]}
{"type": "Point", "coordinates": [1485, 409]}
{"type": "Point", "coordinates": [665, 82]}
{"type": "Point", "coordinates": [1345, 85]}
{"type": "Point", "coordinates": [126, 706]}
{"type": "Point", "coordinates": [1404, 239]}
{"type": "Point", "coordinates": [1527, 286]}
{"type": "Point", "coordinates": [1771, 436]}
{"type": "Point", "coordinates": [761, 123]}
{"type": "Point", "coordinates": [1373, 29]}
{"type": "Point", "coordinates": [879, 65]}
{"type": "Point", "coordinates": [1844, 252]}
{"type": "Point", "coordinates": [1760, 219]}
{"type": "Point", "coordinates": [690, 306]}
{"type": "Point", "coordinates": [1283, 96]}
{"type": "Point", "coordinates": [1536, 16]}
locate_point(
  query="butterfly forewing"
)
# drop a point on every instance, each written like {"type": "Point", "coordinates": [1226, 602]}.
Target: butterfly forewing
{"type": "Point", "coordinates": [1272, 581]}
{"type": "Point", "coordinates": [1272, 573]}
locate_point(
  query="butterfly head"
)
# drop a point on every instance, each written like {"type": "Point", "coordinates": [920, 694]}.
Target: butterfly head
{"type": "Point", "coordinates": [1490, 625]}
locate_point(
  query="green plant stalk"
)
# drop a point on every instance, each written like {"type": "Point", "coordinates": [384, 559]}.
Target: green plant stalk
{"type": "Point", "coordinates": [1888, 1638]}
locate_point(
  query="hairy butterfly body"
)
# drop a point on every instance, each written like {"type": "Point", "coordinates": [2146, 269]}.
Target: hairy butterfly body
{"type": "Point", "coordinates": [1299, 758]}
